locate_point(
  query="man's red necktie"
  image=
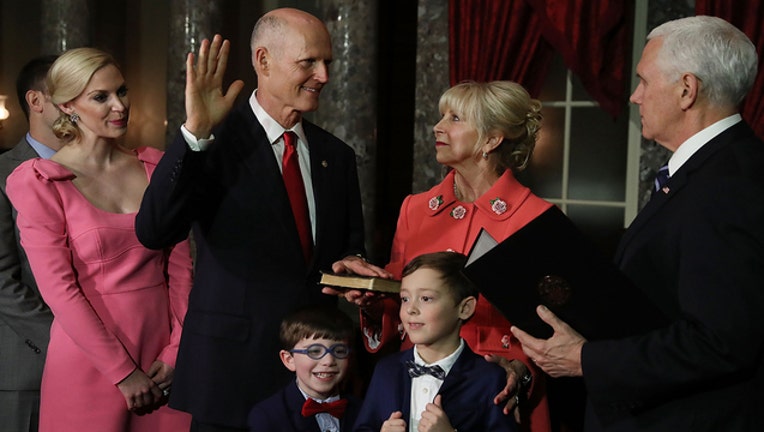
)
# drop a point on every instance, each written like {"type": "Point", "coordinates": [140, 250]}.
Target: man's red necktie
{"type": "Point", "coordinates": [335, 409]}
{"type": "Point", "coordinates": [296, 190]}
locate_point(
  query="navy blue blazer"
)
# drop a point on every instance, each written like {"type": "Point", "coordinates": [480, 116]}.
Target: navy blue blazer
{"type": "Point", "coordinates": [698, 252]}
{"type": "Point", "coordinates": [249, 269]}
{"type": "Point", "coordinates": [282, 412]}
{"type": "Point", "coordinates": [466, 394]}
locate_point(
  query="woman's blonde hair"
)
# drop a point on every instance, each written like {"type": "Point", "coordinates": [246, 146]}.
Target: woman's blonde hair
{"type": "Point", "coordinates": [502, 107]}
{"type": "Point", "coordinates": [68, 78]}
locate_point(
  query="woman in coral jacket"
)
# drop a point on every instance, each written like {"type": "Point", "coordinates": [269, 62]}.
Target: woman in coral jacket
{"type": "Point", "coordinates": [486, 133]}
{"type": "Point", "coordinates": [118, 307]}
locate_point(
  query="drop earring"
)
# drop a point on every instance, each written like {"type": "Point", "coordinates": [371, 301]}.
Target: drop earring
{"type": "Point", "coordinates": [74, 118]}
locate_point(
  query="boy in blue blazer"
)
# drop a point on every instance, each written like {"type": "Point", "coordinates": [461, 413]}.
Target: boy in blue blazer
{"type": "Point", "coordinates": [440, 384]}
{"type": "Point", "coordinates": [315, 347]}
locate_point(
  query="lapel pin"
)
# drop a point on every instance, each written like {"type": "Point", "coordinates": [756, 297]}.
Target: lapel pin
{"type": "Point", "coordinates": [665, 189]}
{"type": "Point", "coordinates": [324, 163]}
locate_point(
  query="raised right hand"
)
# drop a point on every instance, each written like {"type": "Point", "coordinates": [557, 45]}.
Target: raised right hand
{"type": "Point", "coordinates": [206, 104]}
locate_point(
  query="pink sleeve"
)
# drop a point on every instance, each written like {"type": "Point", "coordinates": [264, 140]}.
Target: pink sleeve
{"type": "Point", "coordinates": [179, 280]}
{"type": "Point", "coordinates": [42, 225]}
{"type": "Point", "coordinates": [398, 251]}
{"type": "Point", "coordinates": [380, 325]}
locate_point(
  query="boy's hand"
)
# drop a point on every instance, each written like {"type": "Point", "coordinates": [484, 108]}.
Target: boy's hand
{"type": "Point", "coordinates": [394, 423]}
{"type": "Point", "coordinates": [434, 419]}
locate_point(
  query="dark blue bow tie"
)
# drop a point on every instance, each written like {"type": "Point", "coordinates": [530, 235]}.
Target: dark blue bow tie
{"type": "Point", "coordinates": [416, 370]}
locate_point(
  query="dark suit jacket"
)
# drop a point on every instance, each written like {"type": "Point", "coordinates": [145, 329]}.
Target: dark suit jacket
{"type": "Point", "coordinates": [250, 270]}
{"type": "Point", "coordinates": [467, 394]}
{"type": "Point", "coordinates": [282, 412]}
{"type": "Point", "coordinates": [24, 317]}
{"type": "Point", "coordinates": [698, 252]}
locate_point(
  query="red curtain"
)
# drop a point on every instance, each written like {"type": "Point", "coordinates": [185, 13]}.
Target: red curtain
{"type": "Point", "coordinates": [495, 39]}
{"type": "Point", "coordinates": [492, 40]}
{"type": "Point", "coordinates": [748, 16]}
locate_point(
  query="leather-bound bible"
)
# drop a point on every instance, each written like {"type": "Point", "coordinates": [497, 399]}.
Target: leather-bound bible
{"type": "Point", "coordinates": [360, 282]}
{"type": "Point", "coordinates": [550, 262]}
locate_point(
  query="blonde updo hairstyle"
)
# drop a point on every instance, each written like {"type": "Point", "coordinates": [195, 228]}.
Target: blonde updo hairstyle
{"type": "Point", "coordinates": [502, 107]}
{"type": "Point", "coordinates": [67, 79]}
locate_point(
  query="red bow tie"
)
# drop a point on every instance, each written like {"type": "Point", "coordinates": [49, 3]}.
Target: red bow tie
{"type": "Point", "coordinates": [335, 409]}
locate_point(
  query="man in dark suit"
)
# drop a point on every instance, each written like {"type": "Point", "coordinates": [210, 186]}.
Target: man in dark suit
{"type": "Point", "coordinates": [696, 249]}
{"type": "Point", "coordinates": [24, 317]}
{"type": "Point", "coordinates": [256, 258]}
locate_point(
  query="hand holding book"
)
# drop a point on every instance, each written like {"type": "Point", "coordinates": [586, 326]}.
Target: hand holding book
{"type": "Point", "coordinates": [355, 266]}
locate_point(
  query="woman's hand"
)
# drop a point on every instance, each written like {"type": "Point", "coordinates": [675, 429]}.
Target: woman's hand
{"type": "Point", "coordinates": [140, 392]}
{"type": "Point", "coordinates": [356, 265]}
{"type": "Point", "coordinates": [512, 391]}
{"type": "Point", "coordinates": [162, 373]}
{"type": "Point", "coordinates": [206, 104]}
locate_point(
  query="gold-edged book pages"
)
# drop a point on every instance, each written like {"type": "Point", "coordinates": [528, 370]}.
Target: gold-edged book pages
{"type": "Point", "coordinates": [361, 282]}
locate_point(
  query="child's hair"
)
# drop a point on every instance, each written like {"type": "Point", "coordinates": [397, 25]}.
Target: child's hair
{"type": "Point", "coordinates": [449, 265]}
{"type": "Point", "coordinates": [317, 323]}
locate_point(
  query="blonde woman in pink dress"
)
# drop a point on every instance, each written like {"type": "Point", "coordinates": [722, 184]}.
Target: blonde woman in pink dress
{"type": "Point", "coordinates": [118, 307]}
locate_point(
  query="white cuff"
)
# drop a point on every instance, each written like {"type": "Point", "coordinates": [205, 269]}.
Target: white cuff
{"type": "Point", "coordinates": [193, 143]}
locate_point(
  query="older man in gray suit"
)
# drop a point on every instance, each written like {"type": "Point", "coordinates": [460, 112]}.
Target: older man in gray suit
{"type": "Point", "coordinates": [24, 317]}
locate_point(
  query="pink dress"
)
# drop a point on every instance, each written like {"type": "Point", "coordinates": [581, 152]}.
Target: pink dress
{"type": "Point", "coordinates": [116, 304]}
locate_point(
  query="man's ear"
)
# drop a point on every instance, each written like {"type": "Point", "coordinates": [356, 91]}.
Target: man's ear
{"type": "Point", "coordinates": [288, 359]}
{"type": "Point", "coordinates": [35, 100]}
{"type": "Point", "coordinates": [467, 308]}
{"type": "Point", "coordinates": [261, 60]}
{"type": "Point", "coordinates": [690, 89]}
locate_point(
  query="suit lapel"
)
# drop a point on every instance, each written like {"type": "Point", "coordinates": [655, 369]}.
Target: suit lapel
{"type": "Point", "coordinates": [23, 151]}
{"type": "Point", "coordinates": [293, 405]}
{"type": "Point", "coordinates": [268, 189]}
{"type": "Point", "coordinates": [318, 165]}
{"type": "Point", "coordinates": [677, 183]}
{"type": "Point", "coordinates": [456, 376]}
{"type": "Point", "coordinates": [403, 377]}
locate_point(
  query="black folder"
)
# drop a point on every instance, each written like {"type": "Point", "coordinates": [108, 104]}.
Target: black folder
{"type": "Point", "coordinates": [551, 262]}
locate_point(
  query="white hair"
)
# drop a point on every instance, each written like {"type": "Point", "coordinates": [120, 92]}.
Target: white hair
{"type": "Point", "coordinates": [716, 52]}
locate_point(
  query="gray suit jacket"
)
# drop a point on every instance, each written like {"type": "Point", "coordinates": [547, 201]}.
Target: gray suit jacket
{"type": "Point", "coordinates": [24, 318]}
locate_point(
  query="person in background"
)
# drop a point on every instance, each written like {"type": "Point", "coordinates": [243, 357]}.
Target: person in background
{"type": "Point", "coordinates": [271, 200]}
{"type": "Point", "coordinates": [696, 249]}
{"type": "Point", "coordinates": [439, 384]}
{"type": "Point", "coordinates": [315, 344]}
{"type": "Point", "coordinates": [486, 134]}
{"type": "Point", "coordinates": [118, 307]}
{"type": "Point", "coordinates": [24, 317]}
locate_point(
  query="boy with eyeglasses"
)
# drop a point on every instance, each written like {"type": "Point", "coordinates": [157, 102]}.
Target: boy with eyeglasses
{"type": "Point", "coordinates": [315, 346]}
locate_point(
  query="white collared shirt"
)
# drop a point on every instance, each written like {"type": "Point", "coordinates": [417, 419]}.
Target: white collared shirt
{"type": "Point", "coordinates": [688, 148]}
{"type": "Point", "coordinates": [274, 132]}
{"type": "Point", "coordinates": [424, 388]}
{"type": "Point", "coordinates": [41, 149]}
{"type": "Point", "coordinates": [326, 422]}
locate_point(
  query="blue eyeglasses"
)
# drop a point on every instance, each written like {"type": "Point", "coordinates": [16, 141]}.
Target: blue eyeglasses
{"type": "Point", "coordinates": [318, 351]}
